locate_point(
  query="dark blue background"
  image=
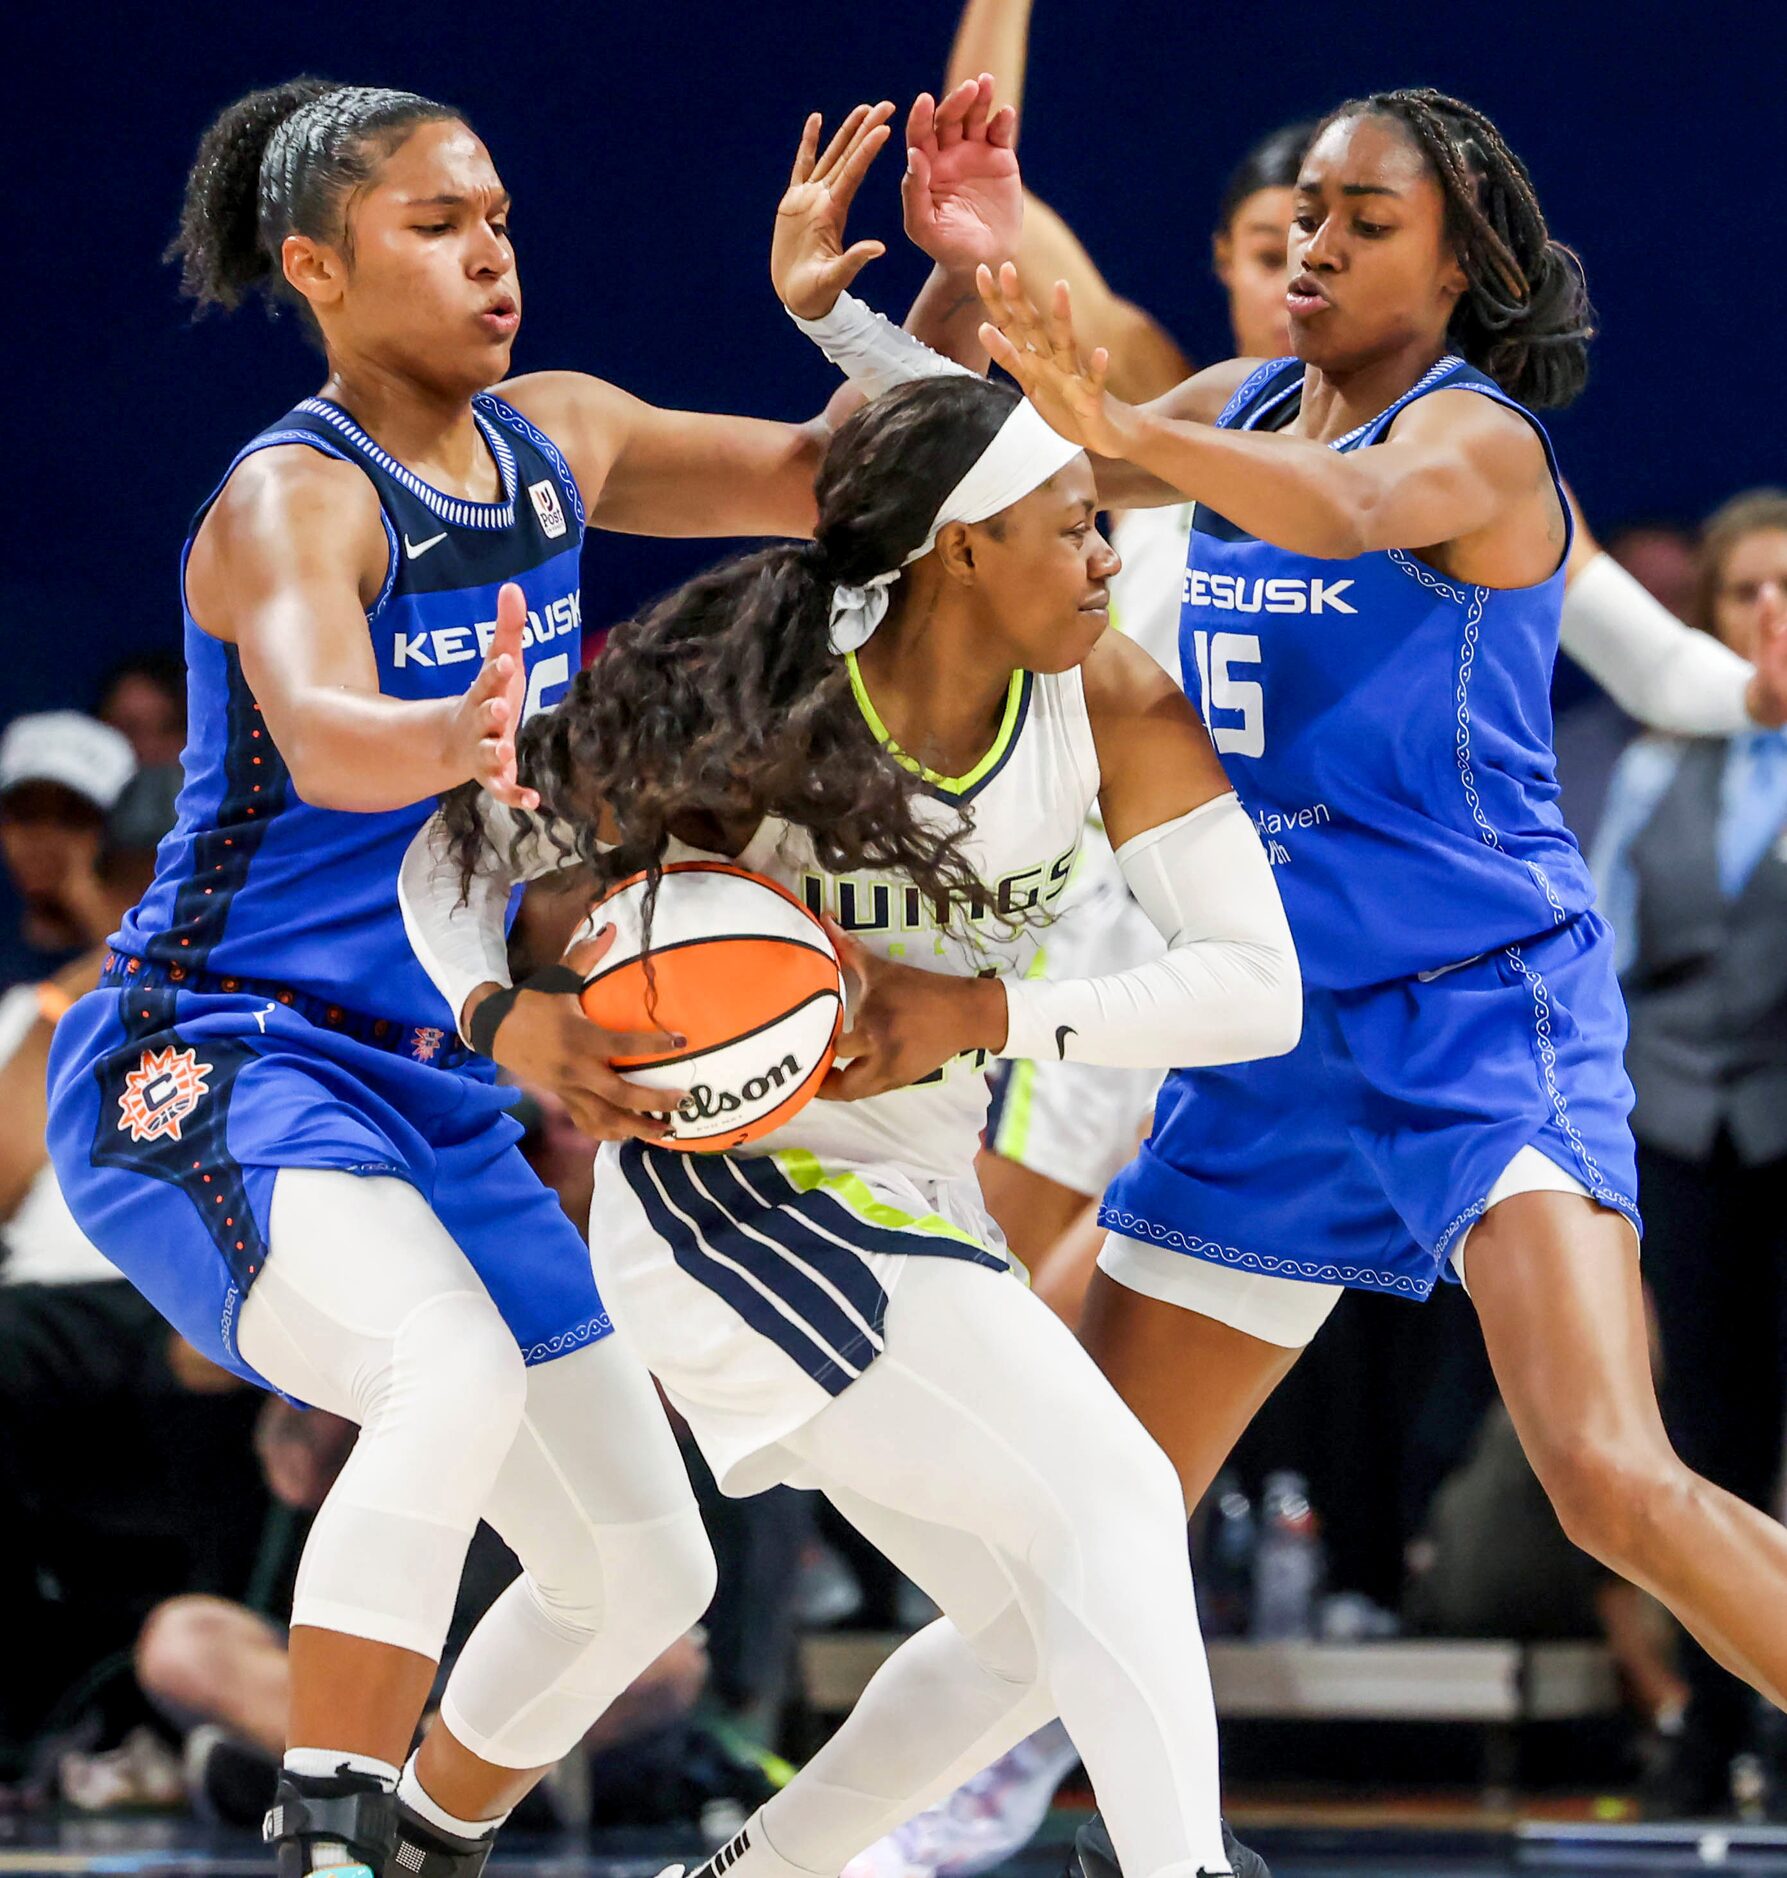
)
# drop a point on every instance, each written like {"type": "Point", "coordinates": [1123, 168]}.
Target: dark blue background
{"type": "Point", "coordinates": [646, 146]}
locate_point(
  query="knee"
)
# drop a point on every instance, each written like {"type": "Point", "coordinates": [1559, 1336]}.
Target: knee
{"type": "Point", "coordinates": [671, 1579]}
{"type": "Point", "coordinates": [657, 1577]}
{"type": "Point", "coordinates": [1126, 1510]}
{"type": "Point", "coordinates": [1616, 1500]}
{"type": "Point", "coordinates": [189, 1649]}
{"type": "Point", "coordinates": [455, 1363]}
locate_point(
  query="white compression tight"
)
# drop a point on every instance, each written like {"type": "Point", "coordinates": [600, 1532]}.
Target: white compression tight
{"type": "Point", "coordinates": [989, 1459]}
{"type": "Point", "coordinates": [369, 1309]}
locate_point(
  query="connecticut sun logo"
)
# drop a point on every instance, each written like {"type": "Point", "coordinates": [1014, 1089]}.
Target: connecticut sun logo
{"type": "Point", "coordinates": [160, 1093]}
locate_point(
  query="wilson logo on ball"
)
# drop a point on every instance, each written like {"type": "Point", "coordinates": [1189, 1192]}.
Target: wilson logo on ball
{"type": "Point", "coordinates": [743, 972]}
{"type": "Point", "coordinates": [703, 1104]}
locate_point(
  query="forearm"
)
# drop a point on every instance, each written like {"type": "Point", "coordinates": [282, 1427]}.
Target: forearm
{"type": "Point", "coordinates": [941, 334]}
{"type": "Point", "coordinates": [871, 352]}
{"type": "Point", "coordinates": [994, 36]}
{"type": "Point", "coordinates": [1295, 494]}
{"type": "Point", "coordinates": [1663, 673]}
{"type": "Point", "coordinates": [362, 751]}
{"type": "Point", "coordinates": [1228, 988]}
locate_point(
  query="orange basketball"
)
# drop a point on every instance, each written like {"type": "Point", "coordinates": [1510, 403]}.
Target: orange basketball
{"type": "Point", "coordinates": [742, 971]}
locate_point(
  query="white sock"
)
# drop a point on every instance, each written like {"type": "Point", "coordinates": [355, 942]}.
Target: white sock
{"type": "Point", "coordinates": [749, 1854]}
{"type": "Point", "coordinates": [326, 1763]}
{"type": "Point", "coordinates": [415, 1796]}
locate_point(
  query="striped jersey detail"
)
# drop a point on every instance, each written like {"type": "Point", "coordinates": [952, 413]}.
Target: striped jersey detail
{"type": "Point", "coordinates": [454, 509]}
{"type": "Point", "coordinates": [791, 1260]}
{"type": "Point", "coordinates": [256, 783]}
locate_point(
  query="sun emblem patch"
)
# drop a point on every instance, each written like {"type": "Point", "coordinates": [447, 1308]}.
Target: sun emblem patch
{"type": "Point", "coordinates": [160, 1093]}
{"type": "Point", "coordinates": [426, 1043]}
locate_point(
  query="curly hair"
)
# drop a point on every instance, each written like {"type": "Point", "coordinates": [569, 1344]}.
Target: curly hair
{"type": "Point", "coordinates": [725, 700]}
{"type": "Point", "coordinates": [279, 162]}
{"type": "Point", "coordinates": [1525, 317]}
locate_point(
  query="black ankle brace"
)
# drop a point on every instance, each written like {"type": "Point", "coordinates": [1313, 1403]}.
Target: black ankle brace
{"type": "Point", "coordinates": [323, 1820]}
{"type": "Point", "coordinates": [423, 1850]}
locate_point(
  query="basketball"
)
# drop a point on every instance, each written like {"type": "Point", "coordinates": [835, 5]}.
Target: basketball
{"type": "Point", "coordinates": [745, 973]}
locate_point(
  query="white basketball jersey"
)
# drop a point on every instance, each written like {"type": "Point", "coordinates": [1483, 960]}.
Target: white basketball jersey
{"type": "Point", "coordinates": [1028, 798]}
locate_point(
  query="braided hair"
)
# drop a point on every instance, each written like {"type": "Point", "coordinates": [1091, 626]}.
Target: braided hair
{"type": "Point", "coordinates": [280, 162]}
{"type": "Point", "coordinates": [1525, 317]}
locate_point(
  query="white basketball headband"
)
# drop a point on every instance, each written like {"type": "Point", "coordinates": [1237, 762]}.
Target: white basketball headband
{"type": "Point", "coordinates": [1022, 457]}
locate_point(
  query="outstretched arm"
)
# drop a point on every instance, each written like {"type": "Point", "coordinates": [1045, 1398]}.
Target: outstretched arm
{"type": "Point", "coordinates": [1454, 465]}
{"type": "Point", "coordinates": [286, 567]}
{"type": "Point", "coordinates": [644, 470]}
{"type": "Point", "coordinates": [1146, 361]}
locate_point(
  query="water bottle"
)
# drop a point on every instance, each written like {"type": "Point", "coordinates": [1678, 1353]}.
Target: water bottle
{"type": "Point", "coordinates": [1225, 1574]}
{"type": "Point", "coordinates": [1287, 1562]}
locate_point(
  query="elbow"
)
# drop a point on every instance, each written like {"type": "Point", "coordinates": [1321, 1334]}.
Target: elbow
{"type": "Point", "coordinates": [1283, 1018]}
{"type": "Point", "coordinates": [1346, 519]}
{"type": "Point", "coordinates": [320, 785]}
{"type": "Point", "coordinates": [1283, 1026]}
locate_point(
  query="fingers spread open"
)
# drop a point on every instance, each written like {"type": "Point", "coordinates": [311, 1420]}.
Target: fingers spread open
{"type": "Point", "coordinates": [856, 164]}
{"type": "Point", "coordinates": [809, 149]}
{"type": "Point", "coordinates": [840, 142]}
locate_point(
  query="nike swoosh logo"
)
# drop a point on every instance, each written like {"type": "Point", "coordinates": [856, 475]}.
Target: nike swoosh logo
{"type": "Point", "coordinates": [1062, 1033]}
{"type": "Point", "coordinates": [416, 549]}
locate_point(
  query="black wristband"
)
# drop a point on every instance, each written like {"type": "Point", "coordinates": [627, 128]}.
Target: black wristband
{"type": "Point", "coordinates": [480, 1033]}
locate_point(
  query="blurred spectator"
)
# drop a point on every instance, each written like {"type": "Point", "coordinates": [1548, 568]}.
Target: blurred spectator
{"type": "Point", "coordinates": [125, 1464]}
{"type": "Point", "coordinates": [60, 775]}
{"type": "Point", "coordinates": [1591, 730]}
{"type": "Point", "coordinates": [1692, 867]}
{"type": "Point", "coordinates": [144, 697]}
{"type": "Point", "coordinates": [1663, 556]}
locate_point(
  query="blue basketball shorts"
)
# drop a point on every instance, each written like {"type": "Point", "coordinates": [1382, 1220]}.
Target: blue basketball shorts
{"type": "Point", "coordinates": [172, 1111]}
{"type": "Point", "coordinates": [1360, 1157]}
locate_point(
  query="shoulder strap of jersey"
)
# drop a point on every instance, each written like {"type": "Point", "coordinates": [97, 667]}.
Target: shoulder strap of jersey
{"type": "Point", "coordinates": [1258, 389]}
{"type": "Point", "coordinates": [1454, 374]}
{"type": "Point", "coordinates": [500, 411]}
{"type": "Point", "coordinates": [296, 427]}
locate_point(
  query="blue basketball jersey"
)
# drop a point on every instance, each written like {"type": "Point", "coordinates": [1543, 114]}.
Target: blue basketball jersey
{"type": "Point", "coordinates": [255, 884]}
{"type": "Point", "coordinates": [1388, 727]}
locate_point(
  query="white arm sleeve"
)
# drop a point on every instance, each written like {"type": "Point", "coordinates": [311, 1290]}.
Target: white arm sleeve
{"type": "Point", "coordinates": [1663, 673]}
{"type": "Point", "coordinates": [1229, 988]}
{"type": "Point", "coordinates": [870, 350]}
{"type": "Point", "coordinates": [462, 942]}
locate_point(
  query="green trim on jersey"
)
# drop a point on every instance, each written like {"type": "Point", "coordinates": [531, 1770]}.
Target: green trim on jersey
{"type": "Point", "coordinates": [805, 1171]}
{"type": "Point", "coordinates": [956, 785]}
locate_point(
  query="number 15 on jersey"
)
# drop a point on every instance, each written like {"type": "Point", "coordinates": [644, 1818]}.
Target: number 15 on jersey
{"type": "Point", "coordinates": [1227, 697]}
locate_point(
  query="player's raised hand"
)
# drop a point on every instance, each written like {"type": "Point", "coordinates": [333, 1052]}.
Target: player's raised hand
{"type": "Point", "coordinates": [962, 196]}
{"type": "Point", "coordinates": [486, 718]}
{"type": "Point", "coordinates": [545, 1039]}
{"type": "Point", "coordinates": [1039, 350]}
{"type": "Point", "coordinates": [808, 261]}
{"type": "Point", "coordinates": [904, 1023]}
